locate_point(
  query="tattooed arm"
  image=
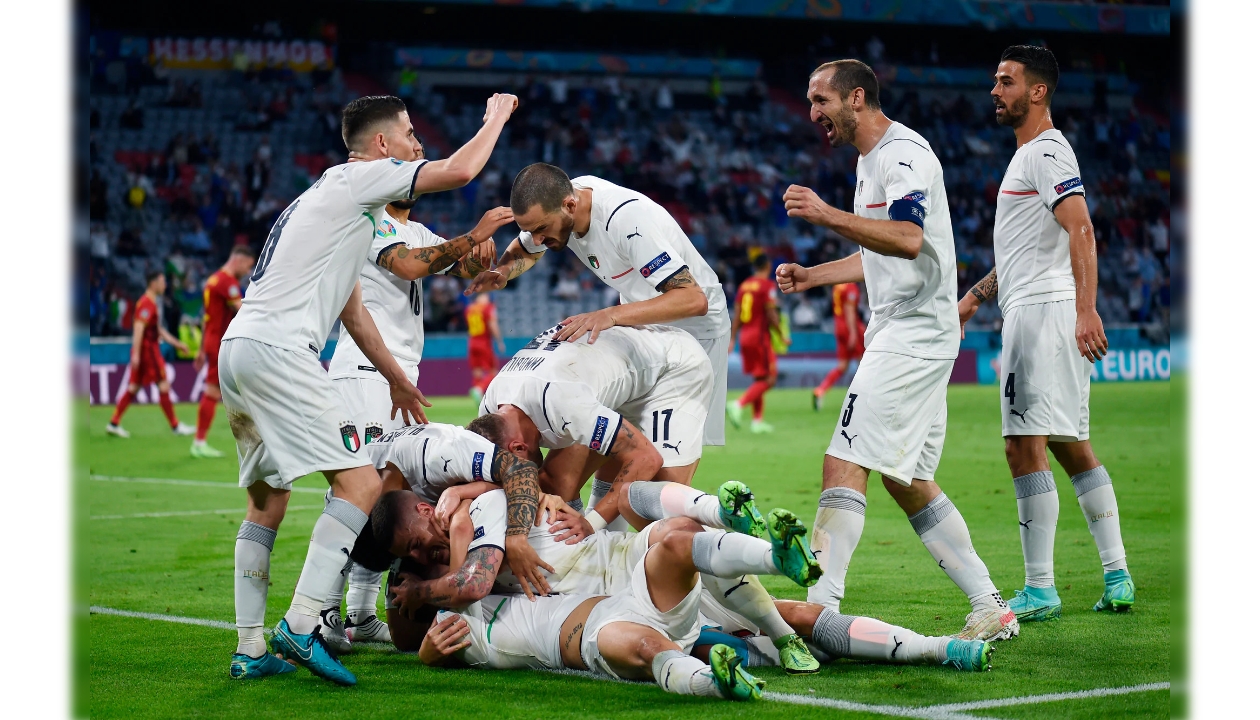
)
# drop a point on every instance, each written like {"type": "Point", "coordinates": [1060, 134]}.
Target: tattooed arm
{"type": "Point", "coordinates": [415, 263]}
{"type": "Point", "coordinates": [511, 265]}
{"type": "Point", "coordinates": [633, 458]}
{"type": "Point", "coordinates": [519, 478]}
{"type": "Point", "coordinates": [459, 588]}
{"type": "Point", "coordinates": [981, 293]}
{"type": "Point", "coordinates": [680, 298]}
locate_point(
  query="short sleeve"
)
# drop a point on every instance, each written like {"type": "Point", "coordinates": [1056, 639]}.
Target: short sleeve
{"type": "Point", "coordinates": [458, 456]}
{"type": "Point", "coordinates": [385, 238]}
{"type": "Point", "coordinates": [144, 313]}
{"type": "Point", "coordinates": [1055, 172]}
{"type": "Point", "coordinates": [578, 418]}
{"type": "Point", "coordinates": [489, 520]}
{"type": "Point", "coordinates": [906, 169]}
{"type": "Point", "coordinates": [636, 235]}
{"type": "Point", "coordinates": [376, 183]}
{"type": "Point", "coordinates": [527, 241]}
{"type": "Point", "coordinates": [233, 291]}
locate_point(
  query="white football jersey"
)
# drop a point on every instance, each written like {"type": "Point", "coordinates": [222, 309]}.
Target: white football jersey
{"type": "Point", "coordinates": [488, 512]}
{"type": "Point", "coordinates": [568, 389]}
{"type": "Point", "coordinates": [914, 303]}
{"type": "Point", "coordinates": [314, 253]}
{"type": "Point", "coordinates": [434, 457]}
{"type": "Point", "coordinates": [634, 245]}
{"type": "Point", "coordinates": [512, 632]}
{"type": "Point", "coordinates": [396, 305]}
{"type": "Point", "coordinates": [1030, 248]}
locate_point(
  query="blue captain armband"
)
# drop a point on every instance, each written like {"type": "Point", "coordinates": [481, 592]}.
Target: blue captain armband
{"type": "Point", "coordinates": [909, 208]}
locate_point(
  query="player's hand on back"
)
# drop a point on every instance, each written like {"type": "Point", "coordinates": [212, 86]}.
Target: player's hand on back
{"type": "Point", "coordinates": [444, 638]}
{"type": "Point", "coordinates": [446, 506]}
{"type": "Point", "coordinates": [499, 105]}
{"type": "Point", "coordinates": [792, 278]}
{"type": "Point", "coordinates": [570, 527]}
{"type": "Point", "coordinates": [408, 399]}
{"type": "Point", "coordinates": [575, 326]}
{"type": "Point", "coordinates": [1090, 338]}
{"type": "Point", "coordinates": [549, 508]}
{"type": "Point", "coordinates": [524, 562]}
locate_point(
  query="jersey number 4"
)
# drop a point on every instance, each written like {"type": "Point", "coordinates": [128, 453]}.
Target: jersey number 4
{"type": "Point", "coordinates": [1009, 392]}
{"type": "Point", "coordinates": [269, 247]}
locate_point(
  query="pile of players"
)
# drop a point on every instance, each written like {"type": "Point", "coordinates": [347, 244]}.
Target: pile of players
{"type": "Point", "coordinates": [497, 562]}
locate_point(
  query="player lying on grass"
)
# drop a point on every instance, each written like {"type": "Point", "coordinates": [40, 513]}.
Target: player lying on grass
{"type": "Point", "coordinates": [639, 396]}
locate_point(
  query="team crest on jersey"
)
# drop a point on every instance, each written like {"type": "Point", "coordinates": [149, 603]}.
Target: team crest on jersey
{"type": "Point", "coordinates": [860, 184]}
{"type": "Point", "coordinates": [386, 229]}
{"type": "Point", "coordinates": [597, 437]}
{"type": "Point", "coordinates": [350, 436]}
{"type": "Point", "coordinates": [372, 431]}
{"type": "Point", "coordinates": [594, 261]}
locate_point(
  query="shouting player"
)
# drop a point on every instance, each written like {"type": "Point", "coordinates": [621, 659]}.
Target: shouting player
{"type": "Point", "coordinates": [147, 366]}
{"type": "Point", "coordinates": [286, 415]}
{"type": "Point", "coordinates": [222, 298]}
{"type": "Point", "coordinates": [849, 342]}
{"type": "Point", "coordinates": [893, 420]}
{"type": "Point", "coordinates": [1046, 281]}
{"type": "Point", "coordinates": [756, 317]}
{"type": "Point", "coordinates": [635, 247]}
{"type": "Point", "coordinates": [483, 329]}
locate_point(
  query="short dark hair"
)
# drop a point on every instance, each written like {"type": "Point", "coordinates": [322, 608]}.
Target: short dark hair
{"type": "Point", "coordinates": [761, 262]}
{"type": "Point", "coordinates": [388, 512]}
{"type": "Point", "coordinates": [245, 250]}
{"type": "Point", "coordinates": [1039, 65]}
{"type": "Point", "coordinates": [365, 113]}
{"type": "Point", "coordinates": [848, 75]}
{"type": "Point", "coordinates": [152, 275]}
{"type": "Point", "coordinates": [491, 427]}
{"type": "Point", "coordinates": [540, 184]}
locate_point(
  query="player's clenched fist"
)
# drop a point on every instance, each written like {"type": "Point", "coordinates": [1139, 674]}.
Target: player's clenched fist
{"type": "Point", "coordinates": [803, 203]}
{"type": "Point", "coordinates": [792, 278]}
{"type": "Point", "coordinates": [499, 105]}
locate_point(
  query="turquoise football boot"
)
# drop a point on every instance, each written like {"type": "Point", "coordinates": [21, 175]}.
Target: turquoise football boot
{"type": "Point", "coordinates": [790, 553]}
{"type": "Point", "coordinates": [733, 681]}
{"type": "Point", "coordinates": [969, 655]}
{"type": "Point", "coordinates": [1119, 595]}
{"type": "Point", "coordinates": [739, 512]}
{"type": "Point", "coordinates": [245, 667]}
{"type": "Point", "coordinates": [1034, 604]}
{"type": "Point", "coordinates": [310, 652]}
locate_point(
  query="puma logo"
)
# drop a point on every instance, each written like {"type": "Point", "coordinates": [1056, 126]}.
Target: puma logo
{"type": "Point", "coordinates": [1049, 155]}
{"type": "Point", "coordinates": [845, 434]}
{"type": "Point", "coordinates": [941, 563]}
{"type": "Point", "coordinates": [907, 165]}
{"type": "Point", "coordinates": [1025, 524]}
{"type": "Point", "coordinates": [721, 539]}
{"type": "Point", "coordinates": [346, 551]}
{"type": "Point", "coordinates": [673, 447]}
{"type": "Point", "coordinates": [896, 647]}
{"type": "Point", "coordinates": [565, 424]}
{"type": "Point", "coordinates": [815, 553]}
{"type": "Point", "coordinates": [742, 582]}
{"type": "Point", "coordinates": [634, 234]}
{"type": "Point", "coordinates": [445, 463]}
{"type": "Point", "coordinates": [1020, 415]}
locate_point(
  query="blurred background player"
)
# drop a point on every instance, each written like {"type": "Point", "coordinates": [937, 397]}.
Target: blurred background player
{"type": "Point", "coordinates": [483, 329]}
{"type": "Point", "coordinates": [147, 366]}
{"type": "Point", "coordinates": [1045, 276]}
{"type": "Point", "coordinates": [222, 298]}
{"type": "Point", "coordinates": [849, 341]}
{"type": "Point", "coordinates": [756, 318]}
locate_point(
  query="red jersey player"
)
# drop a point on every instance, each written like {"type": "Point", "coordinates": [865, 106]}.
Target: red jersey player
{"type": "Point", "coordinates": [483, 326]}
{"type": "Point", "coordinates": [849, 332]}
{"type": "Point", "coordinates": [222, 298]}
{"type": "Point", "coordinates": [756, 316]}
{"type": "Point", "coordinates": [147, 365]}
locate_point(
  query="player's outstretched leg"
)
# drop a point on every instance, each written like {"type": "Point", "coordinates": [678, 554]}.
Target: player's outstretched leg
{"type": "Point", "coordinates": [661, 500]}
{"type": "Point", "coordinates": [791, 555]}
{"type": "Point", "coordinates": [1037, 500]}
{"type": "Point", "coordinates": [746, 597]}
{"type": "Point", "coordinates": [732, 680]}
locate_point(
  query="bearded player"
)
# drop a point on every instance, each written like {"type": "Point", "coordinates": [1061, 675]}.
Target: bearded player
{"type": "Point", "coordinates": [1046, 281]}
{"type": "Point", "coordinates": [756, 317]}
{"type": "Point", "coordinates": [147, 366]}
{"type": "Point", "coordinates": [849, 343]}
{"type": "Point", "coordinates": [221, 298]}
{"type": "Point", "coordinates": [894, 417]}
{"type": "Point", "coordinates": [483, 330]}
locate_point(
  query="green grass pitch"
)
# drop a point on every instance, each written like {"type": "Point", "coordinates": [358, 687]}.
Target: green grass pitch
{"type": "Point", "coordinates": [182, 565]}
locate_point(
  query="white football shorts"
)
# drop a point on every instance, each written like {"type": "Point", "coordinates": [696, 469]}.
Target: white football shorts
{"type": "Point", "coordinates": [893, 417]}
{"type": "Point", "coordinates": [1044, 381]}
{"type": "Point", "coordinates": [673, 415]}
{"type": "Point", "coordinates": [715, 422]}
{"type": "Point", "coordinates": [369, 404]}
{"type": "Point", "coordinates": [285, 414]}
{"type": "Point", "coordinates": [510, 631]}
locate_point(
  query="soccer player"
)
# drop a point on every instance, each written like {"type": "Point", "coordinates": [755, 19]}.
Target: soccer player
{"type": "Point", "coordinates": [483, 328]}
{"type": "Point", "coordinates": [634, 246]}
{"type": "Point", "coordinates": [756, 317]}
{"type": "Point", "coordinates": [1046, 281]}
{"type": "Point", "coordinates": [894, 417]}
{"type": "Point", "coordinates": [286, 415]}
{"type": "Point", "coordinates": [849, 343]}
{"type": "Point", "coordinates": [147, 366]}
{"type": "Point", "coordinates": [222, 298]}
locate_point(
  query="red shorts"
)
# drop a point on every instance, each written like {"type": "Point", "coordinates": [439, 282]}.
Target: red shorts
{"type": "Point", "coordinates": [152, 367]}
{"type": "Point", "coordinates": [759, 358]}
{"type": "Point", "coordinates": [481, 357]}
{"type": "Point", "coordinates": [212, 362]}
{"type": "Point", "coordinates": [845, 354]}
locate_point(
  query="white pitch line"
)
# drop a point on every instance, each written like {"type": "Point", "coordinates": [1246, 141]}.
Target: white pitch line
{"type": "Point", "coordinates": [185, 513]}
{"type": "Point", "coordinates": [950, 711]}
{"type": "Point", "coordinates": [189, 483]}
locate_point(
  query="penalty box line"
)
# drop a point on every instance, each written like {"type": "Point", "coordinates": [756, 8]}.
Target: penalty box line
{"type": "Point", "coordinates": [948, 711]}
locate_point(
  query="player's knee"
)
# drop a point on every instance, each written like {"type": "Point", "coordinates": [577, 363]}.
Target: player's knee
{"type": "Point", "coordinates": [649, 647]}
{"type": "Point", "coordinates": [677, 544]}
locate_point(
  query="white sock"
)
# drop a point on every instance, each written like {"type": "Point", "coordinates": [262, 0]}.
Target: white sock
{"type": "Point", "coordinates": [334, 535]}
{"type": "Point", "coordinates": [863, 638]}
{"type": "Point", "coordinates": [253, 572]}
{"type": "Point", "coordinates": [365, 588]}
{"type": "Point", "coordinates": [599, 489]}
{"type": "Point", "coordinates": [1037, 500]}
{"type": "Point", "coordinates": [944, 533]}
{"type": "Point", "coordinates": [730, 555]}
{"type": "Point", "coordinates": [745, 596]}
{"type": "Point", "coordinates": [681, 674]}
{"type": "Point", "coordinates": [837, 529]}
{"type": "Point", "coordinates": [1098, 501]}
{"type": "Point", "coordinates": [660, 500]}
{"type": "Point", "coordinates": [338, 592]}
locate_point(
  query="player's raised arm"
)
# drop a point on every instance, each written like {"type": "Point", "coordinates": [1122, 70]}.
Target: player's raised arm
{"type": "Point", "coordinates": [1073, 215]}
{"type": "Point", "coordinates": [793, 278]}
{"type": "Point", "coordinates": [415, 263]}
{"type": "Point", "coordinates": [466, 163]}
{"type": "Point", "coordinates": [979, 294]}
{"type": "Point", "coordinates": [896, 238]}
{"type": "Point", "coordinates": [357, 321]}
